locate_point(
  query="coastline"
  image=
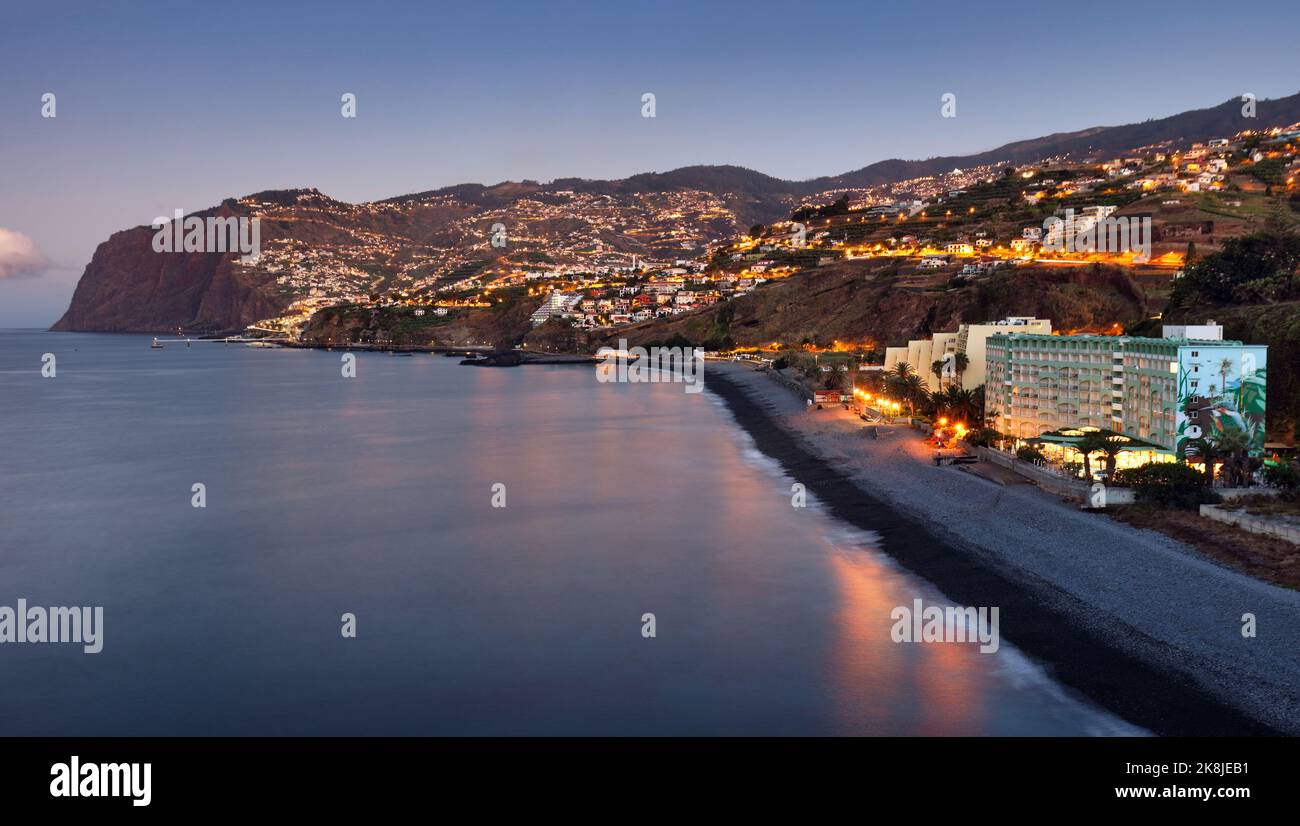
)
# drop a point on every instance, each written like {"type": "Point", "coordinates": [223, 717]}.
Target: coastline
{"type": "Point", "coordinates": [1173, 672]}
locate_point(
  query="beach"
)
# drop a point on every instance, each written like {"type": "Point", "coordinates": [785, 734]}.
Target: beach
{"type": "Point", "coordinates": [1139, 623]}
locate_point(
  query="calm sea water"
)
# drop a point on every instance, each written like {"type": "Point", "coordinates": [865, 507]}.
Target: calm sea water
{"type": "Point", "coordinates": [373, 496]}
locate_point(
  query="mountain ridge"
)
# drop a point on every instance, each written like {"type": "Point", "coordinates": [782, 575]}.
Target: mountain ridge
{"type": "Point", "coordinates": [438, 236]}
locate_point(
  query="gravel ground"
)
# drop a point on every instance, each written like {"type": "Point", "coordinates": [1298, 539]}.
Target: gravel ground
{"type": "Point", "coordinates": [1154, 598]}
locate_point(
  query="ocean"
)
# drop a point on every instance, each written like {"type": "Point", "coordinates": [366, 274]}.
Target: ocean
{"type": "Point", "coordinates": [499, 537]}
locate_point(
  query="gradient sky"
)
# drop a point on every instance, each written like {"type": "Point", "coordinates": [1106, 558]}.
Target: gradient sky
{"type": "Point", "coordinates": [176, 105]}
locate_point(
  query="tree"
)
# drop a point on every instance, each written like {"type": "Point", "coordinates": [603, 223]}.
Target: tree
{"type": "Point", "coordinates": [1250, 267]}
{"type": "Point", "coordinates": [1207, 452]}
{"type": "Point", "coordinates": [1111, 448]}
{"type": "Point", "coordinates": [913, 391]}
{"type": "Point", "coordinates": [1091, 443]}
{"type": "Point", "coordinates": [1234, 446]}
{"type": "Point", "coordinates": [936, 367]}
{"type": "Point", "coordinates": [959, 363]}
{"type": "Point", "coordinates": [959, 404]}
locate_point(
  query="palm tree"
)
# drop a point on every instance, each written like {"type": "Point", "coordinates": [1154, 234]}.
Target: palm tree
{"type": "Point", "coordinates": [897, 379]}
{"type": "Point", "coordinates": [960, 404]}
{"type": "Point", "coordinates": [1091, 443]}
{"type": "Point", "coordinates": [936, 367]}
{"type": "Point", "coordinates": [1234, 446]}
{"type": "Point", "coordinates": [1205, 450]}
{"type": "Point", "coordinates": [912, 390]}
{"type": "Point", "coordinates": [960, 362]}
{"type": "Point", "coordinates": [1112, 446]}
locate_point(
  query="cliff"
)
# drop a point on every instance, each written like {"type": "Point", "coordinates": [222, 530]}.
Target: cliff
{"type": "Point", "coordinates": [128, 287]}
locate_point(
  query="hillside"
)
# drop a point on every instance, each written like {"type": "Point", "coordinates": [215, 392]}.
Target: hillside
{"type": "Point", "coordinates": [868, 302]}
{"type": "Point", "coordinates": [318, 251]}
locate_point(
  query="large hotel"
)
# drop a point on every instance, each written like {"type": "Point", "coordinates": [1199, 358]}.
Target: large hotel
{"type": "Point", "coordinates": [1153, 394]}
{"type": "Point", "coordinates": [920, 354]}
{"type": "Point", "coordinates": [1159, 392]}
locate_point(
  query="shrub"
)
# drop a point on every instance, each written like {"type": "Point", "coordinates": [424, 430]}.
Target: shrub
{"type": "Point", "coordinates": [1031, 454]}
{"type": "Point", "coordinates": [1167, 485]}
{"type": "Point", "coordinates": [983, 437]}
{"type": "Point", "coordinates": [1282, 476]}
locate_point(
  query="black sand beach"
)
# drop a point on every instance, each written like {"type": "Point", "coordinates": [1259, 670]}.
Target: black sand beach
{"type": "Point", "coordinates": [1046, 620]}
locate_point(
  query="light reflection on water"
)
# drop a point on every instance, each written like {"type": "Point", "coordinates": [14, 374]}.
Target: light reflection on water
{"type": "Point", "coordinates": [372, 496]}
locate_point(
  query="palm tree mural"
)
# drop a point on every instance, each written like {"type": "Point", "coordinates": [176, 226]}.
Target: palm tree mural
{"type": "Point", "coordinates": [1225, 367]}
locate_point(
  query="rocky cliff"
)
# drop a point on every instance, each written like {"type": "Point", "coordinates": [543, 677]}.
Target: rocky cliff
{"type": "Point", "coordinates": [128, 287]}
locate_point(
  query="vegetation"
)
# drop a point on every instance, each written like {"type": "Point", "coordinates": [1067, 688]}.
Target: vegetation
{"type": "Point", "coordinates": [1250, 269]}
{"type": "Point", "coordinates": [1099, 442]}
{"type": "Point", "coordinates": [1033, 455]}
{"type": "Point", "coordinates": [957, 404]}
{"type": "Point", "coordinates": [1285, 477]}
{"type": "Point", "coordinates": [983, 437]}
{"type": "Point", "coordinates": [1167, 485]}
{"type": "Point", "coordinates": [1233, 446]}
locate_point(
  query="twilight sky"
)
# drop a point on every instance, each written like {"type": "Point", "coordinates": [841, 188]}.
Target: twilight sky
{"type": "Point", "coordinates": [174, 105]}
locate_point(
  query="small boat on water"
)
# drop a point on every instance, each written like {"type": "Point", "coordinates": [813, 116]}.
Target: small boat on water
{"type": "Point", "coordinates": [157, 345]}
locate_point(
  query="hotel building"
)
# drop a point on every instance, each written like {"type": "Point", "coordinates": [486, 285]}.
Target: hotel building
{"type": "Point", "coordinates": [1163, 392]}
{"type": "Point", "coordinates": [970, 339]}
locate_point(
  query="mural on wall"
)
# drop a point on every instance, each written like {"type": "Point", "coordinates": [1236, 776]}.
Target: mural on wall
{"type": "Point", "coordinates": [1221, 393]}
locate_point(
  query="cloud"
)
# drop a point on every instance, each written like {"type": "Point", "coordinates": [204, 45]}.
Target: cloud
{"type": "Point", "coordinates": [19, 256]}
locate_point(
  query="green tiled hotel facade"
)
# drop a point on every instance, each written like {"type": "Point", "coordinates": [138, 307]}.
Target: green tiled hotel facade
{"type": "Point", "coordinates": [1165, 391]}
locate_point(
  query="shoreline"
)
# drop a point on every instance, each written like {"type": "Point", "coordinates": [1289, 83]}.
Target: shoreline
{"type": "Point", "coordinates": [1130, 671]}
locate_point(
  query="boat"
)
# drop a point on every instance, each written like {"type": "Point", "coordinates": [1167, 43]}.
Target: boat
{"type": "Point", "coordinates": [157, 345]}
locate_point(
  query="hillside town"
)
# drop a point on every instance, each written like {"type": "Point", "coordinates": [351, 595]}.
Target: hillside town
{"type": "Point", "coordinates": [599, 261]}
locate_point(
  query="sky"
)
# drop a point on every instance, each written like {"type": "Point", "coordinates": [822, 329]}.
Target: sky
{"type": "Point", "coordinates": [164, 106]}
